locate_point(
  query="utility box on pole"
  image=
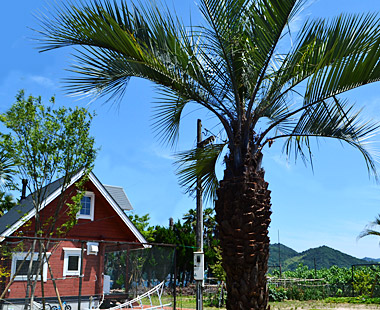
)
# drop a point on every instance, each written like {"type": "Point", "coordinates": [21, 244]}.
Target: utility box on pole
{"type": "Point", "coordinates": [199, 266]}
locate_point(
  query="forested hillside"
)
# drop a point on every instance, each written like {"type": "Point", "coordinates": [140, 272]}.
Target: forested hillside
{"type": "Point", "coordinates": [321, 257]}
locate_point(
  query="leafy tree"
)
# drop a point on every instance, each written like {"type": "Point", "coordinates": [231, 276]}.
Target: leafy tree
{"type": "Point", "coordinates": [363, 282]}
{"type": "Point", "coordinates": [142, 224]}
{"type": "Point", "coordinates": [217, 268]}
{"type": "Point", "coordinates": [209, 223]}
{"type": "Point", "coordinates": [150, 262]}
{"type": "Point", "coordinates": [210, 239]}
{"type": "Point", "coordinates": [182, 235]}
{"type": "Point", "coordinates": [48, 144]}
{"type": "Point", "coordinates": [241, 67]}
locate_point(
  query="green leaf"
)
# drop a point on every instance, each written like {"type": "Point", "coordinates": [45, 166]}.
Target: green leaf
{"type": "Point", "coordinates": [199, 163]}
{"type": "Point", "coordinates": [331, 119]}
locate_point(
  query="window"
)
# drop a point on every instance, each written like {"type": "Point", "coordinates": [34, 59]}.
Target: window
{"type": "Point", "coordinates": [87, 210]}
{"type": "Point", "coordinates": [71, 262]}
{"type": "Point", "coordinates": [86, 206]}
{"type": "Point", "coordinates": [18, 259]}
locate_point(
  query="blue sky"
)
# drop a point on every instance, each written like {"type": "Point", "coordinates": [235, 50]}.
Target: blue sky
{"type": "Point", "coordinates": [329, 206]}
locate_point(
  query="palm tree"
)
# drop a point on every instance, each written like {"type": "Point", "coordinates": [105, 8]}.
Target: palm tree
{"type": "Point", "coordinates": [260, 84]}
{"type": "Point", "coordinates": [7, 172]}
{"type": "Point", "coordinates": [7, 202]}
{"type": "Point", "coordinates": [370, 230]}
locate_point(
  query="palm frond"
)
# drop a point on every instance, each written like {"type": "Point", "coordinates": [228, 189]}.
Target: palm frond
{"type": "Point", "coordinates": [223, 37]}
{"type": "Point", "coordinates": [233, 66]}
{"type": "Point", "coordinates": [167, 116]}
{"type": "Point", "coordinates": [199, 163]}
{"type": "Point", "coordinates": [7, 172]}
{"type": "Point", "coordinates": [276, 112]}
{"type": "Point", "coordinates": [331, 119]}
{"type": "Point", "coordinates": [331, 56]}
{"type": "Point", "coordinates": [267, 21]}
{"type": "Point", "coordinates": [370, 229]}
{"type": "Point", "coordinates": [334, 56]}
{"type": "Point", "coordinates": [117, 43]}
{"type": "Point", "coordinates": [265, 25]}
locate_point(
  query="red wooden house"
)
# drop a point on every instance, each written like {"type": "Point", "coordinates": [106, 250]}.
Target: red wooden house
{"type": "Point", "coordinates": [102, 219]}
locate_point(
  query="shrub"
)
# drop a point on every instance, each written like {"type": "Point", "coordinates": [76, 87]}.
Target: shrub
{"type": "Point", "coordinates": [277, 293]}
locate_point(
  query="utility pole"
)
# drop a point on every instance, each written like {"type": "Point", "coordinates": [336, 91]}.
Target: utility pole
{"type": "Point", "coordinates": [199, 257]}
{"type": "Point", "coordinates": [279, 253]}
{"type": "Point", "coordinates": [199, 229]}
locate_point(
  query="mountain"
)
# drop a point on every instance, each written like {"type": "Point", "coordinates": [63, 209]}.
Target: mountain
{"type": "Point", "coordinates": [278, 249]}
{"type": "Point", "coordinates": [321, 257]}
{"type": "Point", "coordinates": [372, 260]}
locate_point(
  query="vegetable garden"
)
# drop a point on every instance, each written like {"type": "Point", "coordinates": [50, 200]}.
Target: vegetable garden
{"type": "Point", "coordinates": [359, 281]}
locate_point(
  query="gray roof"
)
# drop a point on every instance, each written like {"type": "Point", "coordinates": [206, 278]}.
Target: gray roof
{"type": "Point", "coordinates": [14, 214]}
{"type": "Point", "coordinates": [119, 196]}
{"type": "Point", "coordinates": [26, 205]}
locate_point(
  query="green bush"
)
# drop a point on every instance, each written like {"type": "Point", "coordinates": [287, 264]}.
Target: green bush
{"type": "Point", "coordinates": [305, 293]}
{"type": "Point", "coordinates": [294, 293]}
{"type": "Point", "coordinates": [277, 293]}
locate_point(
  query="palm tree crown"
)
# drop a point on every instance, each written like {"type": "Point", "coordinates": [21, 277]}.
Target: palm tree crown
{"type": "Point", "coordinates": [233, 67]}
{"type": "Point", "coordinates": [259, 82]}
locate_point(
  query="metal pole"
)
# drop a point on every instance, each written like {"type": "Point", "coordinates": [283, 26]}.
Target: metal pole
{"type": "Point", "coordinates": [279, 253]}
{"type": "Point", "coordinates": [80, 275]}
{"type": "Point", "coordinates": [199, 227]}
{"type": "Point", "coordinates": [175, 279]}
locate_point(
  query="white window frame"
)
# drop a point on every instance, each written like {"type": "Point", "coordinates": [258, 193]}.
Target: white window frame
{"type": "Point", "coordinates": [71, 252]}
{"type": "Point", "coordinates": [20, 256]}
{"type": "Point", "coordinates": [91, 195]}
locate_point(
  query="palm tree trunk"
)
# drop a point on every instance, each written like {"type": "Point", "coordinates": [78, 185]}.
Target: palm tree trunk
{"type": "Point", "coordinates": [243, 217]}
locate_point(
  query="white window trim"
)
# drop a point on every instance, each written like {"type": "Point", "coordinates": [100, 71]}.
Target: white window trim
{"type": "Point", "coordinates": [20, 256]}
{"type": "Point", "coordinates": [91, 216]}
{"type": "Point", "coordinates": [71, 252]}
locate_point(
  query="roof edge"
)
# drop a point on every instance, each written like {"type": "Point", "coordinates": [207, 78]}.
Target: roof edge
{"type": "Point", "coordinates": [117, 208]}
{"type": "Point", "coordinates": [56, 193]}
{"type": "Point", "coordinates": [44, 203]}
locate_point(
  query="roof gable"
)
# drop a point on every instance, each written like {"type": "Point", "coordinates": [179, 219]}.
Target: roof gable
{"type": "Point", "coordinates": [17, 216]}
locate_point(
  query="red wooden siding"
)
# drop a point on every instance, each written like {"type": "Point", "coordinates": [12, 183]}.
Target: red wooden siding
{"type": "Point", "coordinates": [107, 225]}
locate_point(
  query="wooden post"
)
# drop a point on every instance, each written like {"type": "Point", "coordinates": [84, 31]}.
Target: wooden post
{"type": "Point", "coordinates": [100, 275]}
{"type": "Point", "coordinates": [352, 280]}
{"type": "Point", "coordinates": [53, 280]}
{"type": "Point", "coordinates": [126, 281]}
{"type": "Point", "coordinates": [373, 285]}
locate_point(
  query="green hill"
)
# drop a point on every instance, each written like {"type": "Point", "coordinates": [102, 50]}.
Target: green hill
{"type": "Point", "coordinates": [284, 251]}
{"type": "Point", "coordinates": [372, 260]}
{"type": "Point", "coordinates": [322, 257]}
